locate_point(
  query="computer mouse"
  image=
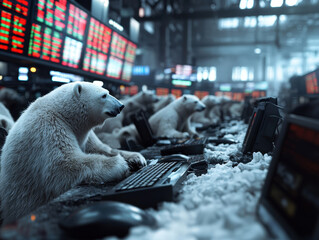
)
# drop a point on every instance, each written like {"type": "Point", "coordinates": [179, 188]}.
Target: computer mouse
{"type": "Point", "coordinates": [107, 218]}
{"type": "Point", "coordinates": [221, 140]}
{"type": "Point", "coordinates": [174, 157]}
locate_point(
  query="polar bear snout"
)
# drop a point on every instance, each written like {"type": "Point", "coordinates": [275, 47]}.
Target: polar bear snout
{"type": "Point", "coordinates": [116, 106]}
{"type": "Point", "coordinates": [200, 108]}
{"type": "Point", "coordinates": [115, 111]}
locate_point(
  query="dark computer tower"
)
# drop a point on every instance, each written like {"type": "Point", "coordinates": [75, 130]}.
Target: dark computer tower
{"type": "Point", "coordinates": [261, 130]}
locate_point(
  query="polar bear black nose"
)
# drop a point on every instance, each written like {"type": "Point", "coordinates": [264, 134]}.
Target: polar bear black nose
{"type": "Point", "coordinates": [121, 107]}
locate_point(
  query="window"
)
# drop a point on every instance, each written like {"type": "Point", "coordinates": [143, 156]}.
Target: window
{"type": "Point", "coordinates": [212, 74]}
{"type": "Point", "coordinates": [276, 3]}
{"type": "Point", "coordinates": [243, 74]}
{"type": "Point", "coordinates": [246, 4]}
{"type": "Point", "coordinates": [266, 21]}
{"type": "Point", "coordinates": [206, 73]}
{"type": "Point", "coordinates": [250, 22]}
{"type": "Point", "coordinates": [228, 23]}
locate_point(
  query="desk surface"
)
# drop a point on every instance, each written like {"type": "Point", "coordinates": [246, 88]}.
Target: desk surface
{"type": "Point", "coordinates": [220, 204]}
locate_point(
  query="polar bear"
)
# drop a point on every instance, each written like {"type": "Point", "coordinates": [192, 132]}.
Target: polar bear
{"type": "Point", "coordinates": [143, 100]}
{"type": "Point", "coordinates": [163, 102]}
{"type": "Point", "coordinates": [173, 121]}
{"type": "Point", "coordinates": [111, 124]}
{"type": "Point", "coordinates": [52, 148]}
{"type": "Point", "coordinates": [205, 117]}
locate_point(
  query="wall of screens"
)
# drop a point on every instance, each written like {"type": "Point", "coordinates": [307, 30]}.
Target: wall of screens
{"type": "Point", "coordinates": [60, 33]}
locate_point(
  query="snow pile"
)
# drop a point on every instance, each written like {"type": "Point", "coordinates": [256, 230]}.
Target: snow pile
{"type": "Point", "coordinates": [222, 152]}
{"type": "Point", "coordinates": [218, 205]}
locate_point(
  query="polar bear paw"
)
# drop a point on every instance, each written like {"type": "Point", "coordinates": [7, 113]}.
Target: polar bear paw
{"type": "Point", "coordinates": [134, 160]}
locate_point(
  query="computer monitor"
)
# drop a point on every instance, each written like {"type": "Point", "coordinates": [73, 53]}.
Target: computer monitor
{"type": "Point", "coordinates": [261, 129]}
{"type": "Point", "coordinates": [289, 203]}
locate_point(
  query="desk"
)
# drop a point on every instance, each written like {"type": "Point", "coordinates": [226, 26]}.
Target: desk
{"type": "Point", "coordinates": [218, 205]}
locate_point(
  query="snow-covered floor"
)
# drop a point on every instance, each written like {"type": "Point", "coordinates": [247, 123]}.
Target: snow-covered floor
{"type": "Point", "coordinates": [218, 205]}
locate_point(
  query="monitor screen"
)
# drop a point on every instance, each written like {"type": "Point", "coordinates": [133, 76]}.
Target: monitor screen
{"type": "Point", "coordinates": [129, 60]}
{"type": "Point", "coordinates": [114, 67]}
{"type": "Point", "coordinates": [117, 54]}
{"type": "Point", "coordinates": [177, 92]}
{"type": "Point", "coordinates": [130, 52]}
{"type": "Point", "coordinates": [162, 91]}
{"type": "Point", "coordinates": [127, 71]}
{"type": "Point", "coordinates": [62, 35]}
{"type": "Point", "coordinates": [13, 25]}
{"type": "Point", "coordinates": [293, 180]}
{"type": "Point", "coordinates": [311, 83]}
{"type": "Point", "coordinates": [76, 22]}
{"type": "Point", "coordinates": [46, 38]}
{"type": "Point", "coordinates": [118, 45]}
{"type": "Point", "coordinates": [97, 47]}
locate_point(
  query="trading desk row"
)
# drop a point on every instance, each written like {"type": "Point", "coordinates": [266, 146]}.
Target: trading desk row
{"type": "Point", "coordinates": [216, 191]}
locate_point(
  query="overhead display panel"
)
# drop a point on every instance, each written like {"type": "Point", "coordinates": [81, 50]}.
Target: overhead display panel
{"type": "Point", "coordinates": [62, 35]}
{"type": "Point", "coordinates": [97, 47]}
{"type": "Point", "coordinates": [13, 24]}
{"type": "Point", "coordinates": [47, 31]}
{"type": "Point", "coordinates": [73, 44]}
{"type": "Point", "coordinates": [129, 61]}
{"type": "Point", "coordinates": [76, 22]}
{"type": "Point", "coordinates": [117, 52]}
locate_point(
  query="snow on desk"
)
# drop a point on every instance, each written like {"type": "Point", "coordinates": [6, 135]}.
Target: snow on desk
{"type": "Point", "coordinates": [218, 205]}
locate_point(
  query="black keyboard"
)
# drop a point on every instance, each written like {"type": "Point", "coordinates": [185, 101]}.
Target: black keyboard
{"type": "Point", "coordinates": [151, 174]}
{"type": "Point", "coordinates": [150, 185]}
{"type": "Point", "coordinates": [189, 147]}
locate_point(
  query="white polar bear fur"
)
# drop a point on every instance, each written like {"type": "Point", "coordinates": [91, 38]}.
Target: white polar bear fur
{"type": "Point", "coordinates": [205, 117]}
{"type": "Point", "coordinates": [51, 148]}
{"type": "Point", "coordinates": [141, 100]}
{"type": "Point", "coordinates": [111, 124]}
{"type": "Point", "coordinates": [173, 121]}
{"type": "Point", "coordinates": [6, 119]}
{"type": "Point", "coordinates": [163, 102]}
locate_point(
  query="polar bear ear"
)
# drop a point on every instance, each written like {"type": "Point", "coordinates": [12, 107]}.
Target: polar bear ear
{"type": "Point", "coordinates": [184, 98]}
{"type": "Point", "coordinates": [77, 90]}
{"type": "Point", "coordinates": [4, 123]}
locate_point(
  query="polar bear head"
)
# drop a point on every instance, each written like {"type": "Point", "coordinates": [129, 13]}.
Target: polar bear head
{"type": "Point", "coordinates": [98, 102]}
{"type": "Point", "coordinates": [191, 103]}
{"type": "Point", "coordinates": [147, 97]}
{"type": "Point", "coordinates": [210, 101]}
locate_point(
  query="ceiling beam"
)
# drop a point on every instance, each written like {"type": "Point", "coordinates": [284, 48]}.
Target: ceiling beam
{"type": "Point", "coordinates": [230, 13]}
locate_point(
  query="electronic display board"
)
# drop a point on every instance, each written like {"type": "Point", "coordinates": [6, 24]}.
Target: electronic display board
{"type": "Point", "coordinates": [13, 25]}
{"type": "Point", "coordinates": [290, 193]}
{"type": "Point", "coordinates": [129, 60]}
{"type": "Point", "coordinates": [46, 36]}
{"type": "Point", "coordinates": [97, 47]}
{"type": "Point", "coordinates": [61, 34]}
{"type": "Point", "coordinates": [73, 43]}
{"type": "Point", "coordinates": [114, 67]}
{"type": "Point", "coordinates": [130, 52]}
{"type": "Point", "coordinates": [118, 45]}
{"type": "Point", "coordinates": [71, 52]}
{"type": "Point", "coordinates": [127, 71]}
{"type": "Point", "coordinates": [311, 83]}
{"type": "Point", "coordinates": [117, 53]}
{"type": "Point", "coordinates": [76, 22]}
{"type": "Point", "coordinates": [162, 91]}
{"type": "Point", "coordinates": [177, 92]}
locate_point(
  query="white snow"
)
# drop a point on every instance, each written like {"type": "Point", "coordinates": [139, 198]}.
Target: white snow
{"type": "Point", "coordinates": [218, 205]}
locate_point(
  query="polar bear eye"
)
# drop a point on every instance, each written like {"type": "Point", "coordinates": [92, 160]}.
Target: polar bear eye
{"type": "Point", "coordinates": [104, 96]}
{"type": "Point", "coordinates": [196, 102]}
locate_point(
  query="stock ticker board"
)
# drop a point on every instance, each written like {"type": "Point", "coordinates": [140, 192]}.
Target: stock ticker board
{"type": "Point", "coordinates": [64, 34]}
